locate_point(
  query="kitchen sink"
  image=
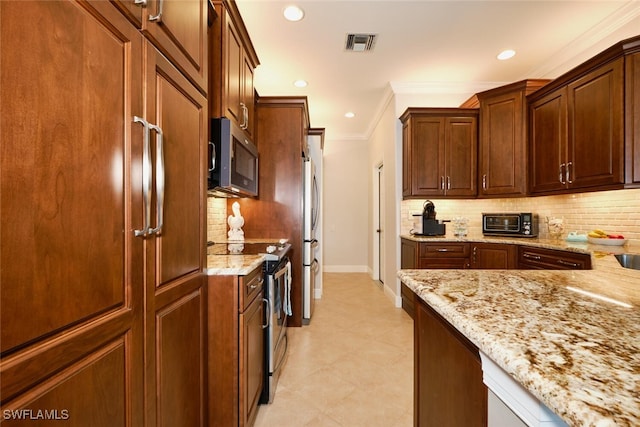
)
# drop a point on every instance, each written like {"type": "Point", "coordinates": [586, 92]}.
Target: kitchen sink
{"type": "Point", "coordinates": [629, 261]}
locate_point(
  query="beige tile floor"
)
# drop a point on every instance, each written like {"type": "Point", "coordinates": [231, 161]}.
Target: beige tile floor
{"type": "Point", "coordinates": [352, 366]}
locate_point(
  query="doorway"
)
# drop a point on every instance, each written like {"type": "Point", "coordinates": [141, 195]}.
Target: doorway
{"type": "Point", "coordinates": [379, 235]}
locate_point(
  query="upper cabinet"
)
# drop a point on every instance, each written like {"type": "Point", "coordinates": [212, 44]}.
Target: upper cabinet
{"type": "Point", "coordinates": [581, 122]}
{"type": "Point", "coordinates": [234, 60]}
{"type": "Point", "coordinates": [178, 28]}
{"type": "Point", "coordinates": [632, 119]}
{"type": "Point", "coordinates": [502, 150]}
{"type": "Point", "coordinates": [439, 156]}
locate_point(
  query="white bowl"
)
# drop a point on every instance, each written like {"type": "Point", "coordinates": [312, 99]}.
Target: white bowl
{"type": "Point", "coordinates": [606, 242]}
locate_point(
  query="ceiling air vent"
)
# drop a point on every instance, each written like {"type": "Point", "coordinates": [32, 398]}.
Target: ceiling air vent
{"type": "Point", "coordinates": [360, 42]}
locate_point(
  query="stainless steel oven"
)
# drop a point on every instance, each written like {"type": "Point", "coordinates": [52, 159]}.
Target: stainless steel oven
{"type": "Point", "coordinates": [278, 297]}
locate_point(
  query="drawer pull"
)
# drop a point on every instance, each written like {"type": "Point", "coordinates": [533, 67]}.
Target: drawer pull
{"type": "Point", "coordinates": [570, 264]}
{"type": "Point", "coordinates": [443, 250]}
{"type": "Point", "coordinates": [255, 283]}
{"type": "Point", "coordinates": [532, 256]}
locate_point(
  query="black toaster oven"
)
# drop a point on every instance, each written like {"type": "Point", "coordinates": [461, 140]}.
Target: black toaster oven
{"type": "Point", "coordinates": [510, 224]}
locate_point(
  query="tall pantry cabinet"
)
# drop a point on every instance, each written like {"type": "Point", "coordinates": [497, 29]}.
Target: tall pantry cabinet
{"type": "Point", "coordinates": [103, 140]}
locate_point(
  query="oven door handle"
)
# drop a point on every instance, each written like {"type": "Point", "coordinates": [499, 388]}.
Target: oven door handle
{"type": "Point", "coordinates": [268, 315]}
{"type": "Point", "coordinates": [280, 273]}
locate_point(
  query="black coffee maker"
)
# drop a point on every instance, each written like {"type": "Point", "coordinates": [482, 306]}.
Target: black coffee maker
{"type": "Point", "coordinates": [430, 225]}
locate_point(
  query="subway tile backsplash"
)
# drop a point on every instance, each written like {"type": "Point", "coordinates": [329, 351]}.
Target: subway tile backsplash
{"type": "Point", "coordinates": [613, 211]}
{"type": "Point", "coordinates": [216, 219]}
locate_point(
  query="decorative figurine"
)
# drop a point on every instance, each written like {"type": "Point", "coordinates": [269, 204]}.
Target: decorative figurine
{"type": "Point", "coordinates": [235, 221]}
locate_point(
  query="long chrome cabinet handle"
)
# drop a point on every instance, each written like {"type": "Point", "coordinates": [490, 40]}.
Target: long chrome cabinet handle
{"type": "Point", "coordinates": [245, 114]}
{"type": "Point", "coordinates": [568, 173]}
{"type": "Point", "coordinates": [561, 174]}
{"type": "Point", "coordinates": [268, 314]}
{"type": "Point", "coordinates": [146, 177]}
{"type": "Point", "coordinates": [484, 181]}
{"type": "Point", "coordinates": [157, 17]}
{"type": "Point", "coordinates": [213, 156]}
{"type": "Point", "coordinates": [160, 179]}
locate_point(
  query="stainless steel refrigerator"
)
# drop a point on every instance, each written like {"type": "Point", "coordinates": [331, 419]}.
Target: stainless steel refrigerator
{"type": "Point", "coordinates": [311, 208]}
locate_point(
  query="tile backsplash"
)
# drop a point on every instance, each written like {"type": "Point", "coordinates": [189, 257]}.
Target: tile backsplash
{"type": "Point", "coordinates": [216, 219]}
{"type": "Point", "coordinates": [613, 211]}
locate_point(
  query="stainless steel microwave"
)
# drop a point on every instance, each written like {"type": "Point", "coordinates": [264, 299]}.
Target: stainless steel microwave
{"type": "Point", "coordinates": [233, 161]}
{"type": "Point", "coordinates": [510, 224]}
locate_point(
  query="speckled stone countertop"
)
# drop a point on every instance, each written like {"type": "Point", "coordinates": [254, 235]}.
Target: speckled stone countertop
{"type": "Point", "coordinates": [579, 355]}
{"type": "Point", "coordinates": [234, 265]}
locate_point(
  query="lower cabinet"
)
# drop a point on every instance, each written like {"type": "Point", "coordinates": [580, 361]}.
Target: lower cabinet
{"type": "Point", "coordinates": [235, 348]}
{"type": "Point", "coordinates": [549, 259]}
{"type": "Point", "coordinates": [443, 255]}
{"type": "Point", "coordinates": [499, 256]}
{"type": "Point", "coordinates": [448, 387]}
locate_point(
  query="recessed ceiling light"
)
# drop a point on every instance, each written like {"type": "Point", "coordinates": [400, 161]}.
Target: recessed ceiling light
{"type": "Point", "coordinates": [506, 54]}
{"type": "Point", "coordinates": [349, 115]}
{"type": "Point", "coordinates": [300, 83]}
{"type": "Point", "coordinates": [293, 13]}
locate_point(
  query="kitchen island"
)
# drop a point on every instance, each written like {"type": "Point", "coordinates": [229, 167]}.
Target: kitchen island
{"type": "Point", "coordinates": [552, 331]}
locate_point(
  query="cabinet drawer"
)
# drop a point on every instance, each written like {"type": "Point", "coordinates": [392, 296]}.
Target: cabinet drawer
{"type": "Point", "coordinates": [250, 287]}
{"type": "Point", "coordinates": [444, 263]}
{"type": "Point", "coordinates": [549, 259]}
{"type": "Point", "coordinates": [444, 250]}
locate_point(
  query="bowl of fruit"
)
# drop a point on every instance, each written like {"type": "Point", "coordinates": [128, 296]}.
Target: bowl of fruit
{"type": "Point", "coordinates": [600, 237]}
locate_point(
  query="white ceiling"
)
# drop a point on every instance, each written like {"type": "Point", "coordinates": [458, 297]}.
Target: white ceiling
{"type": "Point", "coordinates": [423, 46]}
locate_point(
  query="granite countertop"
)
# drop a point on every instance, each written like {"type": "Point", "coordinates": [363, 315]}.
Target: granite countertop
{"type": "Point", "coordinates": [234, 265]}
{"type": "Point", "coordinates": [579, 355]}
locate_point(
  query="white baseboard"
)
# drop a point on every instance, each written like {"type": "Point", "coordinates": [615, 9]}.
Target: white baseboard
{"type": "Point", "coordinates": [345, 268]}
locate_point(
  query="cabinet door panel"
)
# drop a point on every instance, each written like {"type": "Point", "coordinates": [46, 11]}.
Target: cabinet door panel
{"type": "Point", "coordinates": [251, 360]}
{"type": "Point", "coordinates": [461, 156]}
{"type": "Point", "coordinates": [502, 149]}
{"type": "Point", "coordinates": [248, 94]}
{"type": "Point", "coordinates": [406, 160]}
{"type": "Point", "coordinates": [548, 137]}
{"type": "Point", "coordinates": [493, 256]}
{"type": "Point", "coordinates": [596, 146]}
{"type": "Point", "coordinates": [180, 33]}
{"type": "Point", "coordinates": [68, 251]}
{"type": "Point", "coordinates": [233, 70]}
{"type": "Point", "coordinates": [428, 158]}
{"type": "Point", "coordinates": [92, 391]}
{"type": "Point", "coordinates": [179, 109]}
{"type": "Point", "coordinates": [180, 358]}
{"type": "Point", "coordinates": [448, 374]}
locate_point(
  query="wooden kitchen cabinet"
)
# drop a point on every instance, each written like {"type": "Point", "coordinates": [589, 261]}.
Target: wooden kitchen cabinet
{"type": "Point", "coordinates": [550, 259]}
{"type": "Point", "coordinates": [233, 64]}
{"type": "Point", "coordinates": [501, 256]}
{"type": "Point", "coordinates": [282, 131]}
{"type": "Point", "coordinates": [577, 131]}
{"type": "Point", "coordinates": [502, 147]}
{"type": "Point", "coordinates": [235, 348]}
{"type": "Point", "coordinates": [103, 323]}
{"type": "Point", "coordinates": [175, 304]}
{"type": "Point", "coordinates": [632, 118]}
{"type": "Point", "coordinates": [178, 28]}
{"type": "Point", "coordinates": [448, 386]}
{"type": "Point", "coordinates": [443, 255]}
{"type": "Point", "coordinates": [439, 152]}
